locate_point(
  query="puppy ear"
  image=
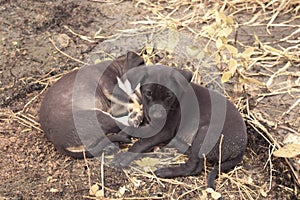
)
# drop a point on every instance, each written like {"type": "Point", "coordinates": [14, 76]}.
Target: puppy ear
{"type": "Point", "coordinates": [186, 74]}
{"type": "Point", "coordinates": [133, 60]}
{"type": "Point", "coordinates": [182, 78]}
{"type": "Point", "coordinates": [136, 76]}
{"type": "Point", "coordinates": [127, 62]}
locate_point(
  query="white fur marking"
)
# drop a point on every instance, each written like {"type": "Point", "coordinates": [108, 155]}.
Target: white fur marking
{"type": "Point", "coordinates": [123, 120]}
{"type": "Point", "coordinates": [125, 86]}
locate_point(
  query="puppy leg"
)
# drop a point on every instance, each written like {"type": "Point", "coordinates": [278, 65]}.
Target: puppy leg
{"type": "Point", "coordinates": [119, 137]}
{"type": "Point", "coordinates": [192, 167]}
{"type": "Point", "coordinates": [143, 145]}
{"type": "Point", "coordinates": [225, 166]}
{"type": "Point", "coordinates": [113, 138]}
{"type": "Point", "coordinates": [135, 116]}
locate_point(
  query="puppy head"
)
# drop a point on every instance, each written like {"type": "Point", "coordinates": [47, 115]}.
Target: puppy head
{"type": "Point", "coordinates": [157, 101]}
{"type": "Point", "coordinates": [133, 60]}
{"type": "Point", "coordinates": [127, 62]}
{"type": "Point", "coordinates": [161, 89]}
{"type": "Point", "coordinates": [124, 100]}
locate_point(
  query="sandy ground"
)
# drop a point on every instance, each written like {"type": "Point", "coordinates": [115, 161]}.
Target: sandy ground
{"type": "Point", "coordinates": [30, 166]}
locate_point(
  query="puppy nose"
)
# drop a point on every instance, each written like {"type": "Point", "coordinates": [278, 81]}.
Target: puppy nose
{"type": "Point", "coordinates": [140, 118]}
{"type": "Point", "coordinates": [132, 115]}
{"type": "Point", "coordinates": [157, 111]}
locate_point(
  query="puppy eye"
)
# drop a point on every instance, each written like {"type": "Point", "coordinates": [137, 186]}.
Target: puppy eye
{"type": "Point", "coordinates": [169, 95]}
{"type": "Point", "coordinates": [148, 93]}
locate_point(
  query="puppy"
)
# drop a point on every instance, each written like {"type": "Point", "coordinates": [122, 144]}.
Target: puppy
{"type": "Point", "coordinates": [76, 112]}
{"type": "Point", "coordinates": [196, 121]}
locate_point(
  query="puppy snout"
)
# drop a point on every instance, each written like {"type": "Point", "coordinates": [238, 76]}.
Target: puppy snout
{"type": "Point", "coordinates": [157, 111]}
{"type": "Point", "coordinates": [136, 123]}
{"type": "Point", "coordinates": [140, 118]}
{"type": "Point", "coordinates": [133, 115]}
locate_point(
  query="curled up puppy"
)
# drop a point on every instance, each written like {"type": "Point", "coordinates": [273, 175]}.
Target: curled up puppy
{"type": "Point", "coordinates": [195, 120]}
{"type": "Point", "coordinates": [81, 112]}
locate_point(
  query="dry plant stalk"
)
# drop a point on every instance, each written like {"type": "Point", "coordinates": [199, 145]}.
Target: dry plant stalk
{"type": "Point", "coordinates": [88, 169]}
{"type": "Point", "coordinates": [220, 156]}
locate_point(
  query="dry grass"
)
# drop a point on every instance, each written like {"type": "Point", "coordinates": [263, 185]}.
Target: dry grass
{"type": "Point", "coordinates": [270, 69]}
{"type": "Point", "coordinates": [278, 63]}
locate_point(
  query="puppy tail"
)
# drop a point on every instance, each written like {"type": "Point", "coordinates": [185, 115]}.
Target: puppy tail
{"type": "Point", "coordinates": [76, 152]}
{"type": "Point", "coordinates": [79, 151]}
{"type": "Point", "coordinates": [225, 166]}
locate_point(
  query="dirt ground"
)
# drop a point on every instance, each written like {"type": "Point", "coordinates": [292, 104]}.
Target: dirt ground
{"type": "Point", "coordinates": [30, 62]}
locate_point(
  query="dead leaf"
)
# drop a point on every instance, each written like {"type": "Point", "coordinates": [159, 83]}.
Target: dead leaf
{"type": "Point", "coordinates": [232, 65]}
{"type": "Point", "coordinates": [210, 30]}
{"type": "Point", "coordinates": [218, 17]}
{"type": "Point", "coordinates": [99, 193]}
{"type": "Point", "coordinates": [214, 194]}
{"type": "Point", "coordinates": [136, 182]}
{"type": "Point", "coordinates": [263, 193]}
{"type": "Point", "coordinates": [204, 195]}
{"type": "Point", "coordinates": [249, 180]}
{"type": "Point", "coordinates": [229, 20]}
{"type": "Point", "coordinates": [222, 16]}
{"type": "Point", "coordinates": [288, 151]}
{"type": "Point", "coordinates": [291, 138]}
{"type": "Point", "coordinates": [231, 49]}
{"type": "Point", "coordinates": [147, 162]}
{"type": "Point", "coordinates": [162, 45]}
{"type": "Point", "coordinates": [94, 188]}
{"type": "Point", "coordinates": [209, 190]}
{"type": "Point", "coordinates": [97, 61]}
{"type": "Point", "coordinates": [173, 40]}
{"type": "Point", "coordinates": [121, 191]}
{"type": "Point", "coordinates": [217, 58]}
{"type": "Point", "coordinates": [192, 50]}
{"type": "Point", "coordinates": [225, 32]}
{"type": "Point", "coordinates": [219, 43]}
{"type": "Point", "coordinates": [226, 76]}
{"type": "Point", "coordinates": [201, 55]}
{"type": "Point", "coordinates": [248, 53]}
{"type": "Point", "coordinates": [253, 80]}
{"type": "Point", "coordinates": [149, 48]}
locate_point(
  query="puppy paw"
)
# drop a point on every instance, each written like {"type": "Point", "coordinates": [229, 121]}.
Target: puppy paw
{"type": "Point", "coordinates": [122, 160]}
{"type": "Point", "coordinates": [166, 172]}
{"type": "Point", "coordinates": [135, 118]}
{"type": "Point", "coordinates": [135, 115]}
{"type": "Point", "coordinates": [118, 158]}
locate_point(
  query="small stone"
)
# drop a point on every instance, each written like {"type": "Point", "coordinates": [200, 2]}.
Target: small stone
{"type": "Point", "coordinates": [99, 193]}
{"type": "Point", "coordinates": [94, 189]}
{"type": "Point", "coordinates": [54, 190]}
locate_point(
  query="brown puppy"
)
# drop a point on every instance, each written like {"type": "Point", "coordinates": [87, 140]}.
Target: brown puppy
{"type": "Point", "coordinates": [76, 111]}
{"type": "Point", "coordinates": [194, 120]}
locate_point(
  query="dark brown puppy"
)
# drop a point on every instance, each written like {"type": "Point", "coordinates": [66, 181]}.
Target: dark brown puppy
{"type": "Point", "coordinates": [72, 104]}
{"type": "Point", "coordinates": [194, 117]}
